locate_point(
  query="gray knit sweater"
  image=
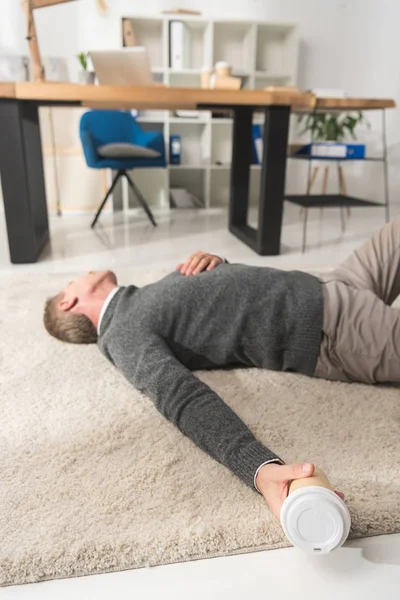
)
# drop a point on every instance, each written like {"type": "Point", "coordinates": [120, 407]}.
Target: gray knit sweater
{"type": "Point", "coordinates": [232, 315]}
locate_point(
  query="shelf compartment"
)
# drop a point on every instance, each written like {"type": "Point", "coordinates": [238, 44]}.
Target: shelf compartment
{"type": "Point", "coordinates": [153, 183]}
{"type": "Point", "coordinates": [149, 33]}
{"type": "Point", "coordinates": [195, 142]}
{"type": "Point", "coordinates": [221, 142]}
{"type": "Point", "coordinates": [263, 80]}
{"type": "Point", "coordinates": [234, 43]}
{"type": "Point", "coordinates": [193, 180]}
{"type": "Point", "coordinates": [195, 42]}
{"type": "Point", "coordinates": [276, 48]}
{"type": "Point", "coordinates": [186, 79]}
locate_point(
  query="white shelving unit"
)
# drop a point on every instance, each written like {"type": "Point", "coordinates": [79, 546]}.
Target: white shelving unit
{"type": "Point", "coordinates": [261, 53]}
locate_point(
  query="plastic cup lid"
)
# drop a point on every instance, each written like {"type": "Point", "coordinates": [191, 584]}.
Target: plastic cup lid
{"type": "Point", "coordinates": [315, 519]}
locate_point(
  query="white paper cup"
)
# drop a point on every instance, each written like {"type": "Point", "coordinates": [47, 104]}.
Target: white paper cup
{"type": "Point", "coordinates": [315, 519]}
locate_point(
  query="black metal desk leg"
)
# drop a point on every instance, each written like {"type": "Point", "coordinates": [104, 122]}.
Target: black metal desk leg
{"type": "Point", "coordinates": [240, 171]}
{"type": "Point", "coordinates": [240, 174]}
{"type": "Point", "coordinates": [276, 127]}
{"type": "Point", "coordinates": [22, 179]}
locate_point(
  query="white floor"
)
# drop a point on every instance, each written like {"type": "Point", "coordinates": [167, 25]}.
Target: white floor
{"type": "Point", "coordinates": [366, 569]}
{"type": "Point", "coordinates": [121, 240]}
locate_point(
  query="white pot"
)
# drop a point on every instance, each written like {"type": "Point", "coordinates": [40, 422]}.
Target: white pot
{"type": "Point", "coordinates": [86, 77]}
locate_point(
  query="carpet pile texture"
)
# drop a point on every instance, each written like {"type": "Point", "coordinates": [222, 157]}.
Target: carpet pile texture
{"type": "Point", "coordinates": [94, 479]}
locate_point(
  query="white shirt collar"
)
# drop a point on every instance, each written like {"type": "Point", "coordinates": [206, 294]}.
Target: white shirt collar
{"type": "Point", "coordinates": [105, 306]}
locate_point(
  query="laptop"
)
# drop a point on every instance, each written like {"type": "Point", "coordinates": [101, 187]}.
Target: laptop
{"type": "Point", "coordinates": [125, 66]}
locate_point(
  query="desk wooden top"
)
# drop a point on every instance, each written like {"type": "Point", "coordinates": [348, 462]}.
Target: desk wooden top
{"type": "Point", "coordinates": [350, 104]}
{"type": "Point", "coordinates": [112, 96]}
{"type": "Point", "coordinates": [149, 97]}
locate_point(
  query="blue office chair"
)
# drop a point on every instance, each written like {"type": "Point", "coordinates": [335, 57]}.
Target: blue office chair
{"type": "Point", "coordinates": [112, 139]}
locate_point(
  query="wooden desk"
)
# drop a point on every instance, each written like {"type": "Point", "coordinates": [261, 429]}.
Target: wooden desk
{"type": "Point", "coordinates": [21, 164]}
{"type": "Point", "coordinates": [168, 98]}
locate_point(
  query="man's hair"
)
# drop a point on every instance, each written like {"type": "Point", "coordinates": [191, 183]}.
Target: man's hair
{"type": "Point", "coordinates": [66, 326]}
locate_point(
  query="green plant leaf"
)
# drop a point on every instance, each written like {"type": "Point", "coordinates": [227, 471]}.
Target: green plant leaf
{"type": "Point", "coordinates": [332, 126]}
{"type": "Point", "coordinates": [82, 57]}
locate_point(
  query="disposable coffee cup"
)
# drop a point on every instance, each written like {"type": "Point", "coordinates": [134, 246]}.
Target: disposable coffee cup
{"type": "Point", "coordinates": [223, 69]}
{"type": "Point", "coordinates": [313, 517]}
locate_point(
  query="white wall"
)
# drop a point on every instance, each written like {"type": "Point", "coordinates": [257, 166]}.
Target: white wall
{"type": "Point", "coordinates": [57, 29]}
{"type": "Point", "coordinates": [350, 44]}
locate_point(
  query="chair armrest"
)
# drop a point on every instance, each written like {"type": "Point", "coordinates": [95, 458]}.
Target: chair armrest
{"type": "Point", "coordinates": [143, 138]}
{"type": "Point", "coordinates": [150, 139]}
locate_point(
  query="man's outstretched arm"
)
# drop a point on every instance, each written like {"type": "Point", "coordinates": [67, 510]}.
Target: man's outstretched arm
{"type": "Point", "coordinates": [197, 411]}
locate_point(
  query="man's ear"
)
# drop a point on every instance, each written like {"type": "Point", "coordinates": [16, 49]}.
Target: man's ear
{"type": "Point", "coordinates": [67, 304]}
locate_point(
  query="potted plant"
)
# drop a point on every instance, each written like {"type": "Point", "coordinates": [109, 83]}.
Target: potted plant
{"type": "Point", "coordinates": [85, 76]}
{"type": "Point", "coordinates": [332, 127]}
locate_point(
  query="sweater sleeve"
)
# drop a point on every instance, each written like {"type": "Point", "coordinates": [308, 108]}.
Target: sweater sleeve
{"type": "Point", "coordinates": [197, 411]}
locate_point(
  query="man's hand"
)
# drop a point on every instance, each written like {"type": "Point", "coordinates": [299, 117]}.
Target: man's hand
{"type": "Point", "coordinates": [199, 261]}
{"type": "Point", "coordinates": [273, 481]}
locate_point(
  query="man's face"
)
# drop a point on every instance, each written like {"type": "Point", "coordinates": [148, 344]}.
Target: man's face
{"type": "Point", "coordinates": [85, 285]}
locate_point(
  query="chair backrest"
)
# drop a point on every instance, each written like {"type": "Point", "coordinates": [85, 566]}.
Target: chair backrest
{"type": "Point", "coordinates": [108, 126]}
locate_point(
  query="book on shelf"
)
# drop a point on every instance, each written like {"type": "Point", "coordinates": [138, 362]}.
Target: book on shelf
{"type": "Point", "coordinates": [179, 45]}
{"type": "Point", "coordinates": [328, 149]}
{"type": "Point", "coordinates": [258, 145]}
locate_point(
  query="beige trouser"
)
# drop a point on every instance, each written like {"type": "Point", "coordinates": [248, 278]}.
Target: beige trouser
{"type": "Point", "coordinates": [361, 330]}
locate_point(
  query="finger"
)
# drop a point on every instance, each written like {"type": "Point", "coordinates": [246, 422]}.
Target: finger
{"type": "Point", "coordinates": [340, 494]}
{"type": "Point", "coordinates": [212, 264]}
{"type": "Point", "coordinates": [184, 265]}
{"type": "Point", "coordinates": [194, 264]}
{"type": "Point", "coordinates": [191, 266]}
{"type": "Point", "coordinates": [179, 267]}
{"type": "Point", "coordinates": [188, 261]}
{"type": "Point", "coordinates": [290, 472]}
{"type": "Point", "coordinates": [202, 265]}
{"type": "Point", "coordinates": [187, 264]}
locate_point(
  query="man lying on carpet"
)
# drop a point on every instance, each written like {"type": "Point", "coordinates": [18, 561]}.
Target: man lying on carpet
{"type": "Point", "coordinates": [211, 314]}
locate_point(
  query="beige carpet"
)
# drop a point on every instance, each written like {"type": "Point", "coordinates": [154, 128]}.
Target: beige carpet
{"type": "Point", "coordinates": [94, 479]}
